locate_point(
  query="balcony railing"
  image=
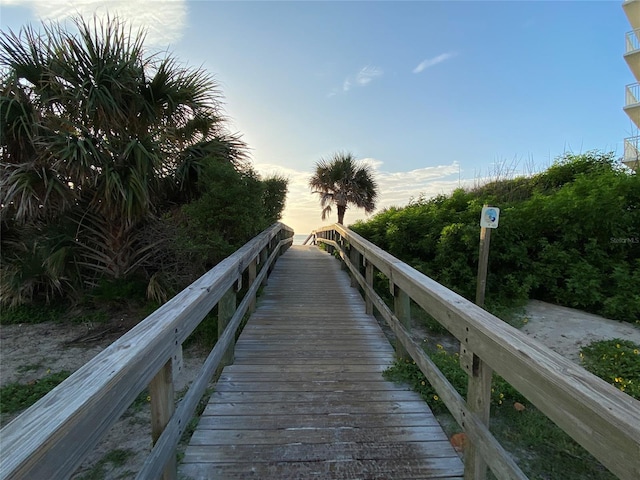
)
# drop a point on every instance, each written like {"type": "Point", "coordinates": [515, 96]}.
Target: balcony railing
{"type": "Point", "coordinates": [631, 151]}
{"type": "Point", "coordinates": [632, 94]}
{"type": "Point", "coordinates": [631, 41]}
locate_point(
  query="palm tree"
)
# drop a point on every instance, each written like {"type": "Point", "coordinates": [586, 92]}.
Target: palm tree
{"type": "Point", "coordinates": [96, 131]}
{"type": "Point", "coordinates": [343, 181]}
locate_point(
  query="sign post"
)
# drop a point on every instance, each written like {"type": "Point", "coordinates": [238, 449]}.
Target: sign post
{"type": "Point", "coordinates": [480, 374]}
{"type": "Point", "coordinates": [488, 221]}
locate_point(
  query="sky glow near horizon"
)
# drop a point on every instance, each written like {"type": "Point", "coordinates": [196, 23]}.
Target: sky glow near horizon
{"type": "Point", "coordinates": [433, 95]}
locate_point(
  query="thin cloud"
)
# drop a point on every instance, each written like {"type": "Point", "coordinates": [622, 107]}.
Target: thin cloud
{"type": "Point", "coordinates": [163, 21]}
{"type": "Point", "coordinates": [360, 79]}
{"type": "Point", "coordinates": [367, 74]}
{"type": "Point", "coordinates": [430, 62]}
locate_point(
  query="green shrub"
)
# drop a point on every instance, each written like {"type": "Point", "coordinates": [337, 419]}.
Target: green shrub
{"type": "Point", "coordinates": [118, 289]}
{"type": "Point", "coordinates": [449, 364]}
{"type": "Point", "coordinates": [31, 313]}
{"type": "Point", "coordinates": [568, 235]}
{"type": "Point", "coordinates": [616, 361]}
{"type": "Point", "coordinates": [18, 396]}
{"type": "Point", "coordinates": [112, 459]}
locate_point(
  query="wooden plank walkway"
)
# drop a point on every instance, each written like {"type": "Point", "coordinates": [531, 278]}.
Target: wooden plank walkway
{"type": "Point", "coordinates": [305, 397]}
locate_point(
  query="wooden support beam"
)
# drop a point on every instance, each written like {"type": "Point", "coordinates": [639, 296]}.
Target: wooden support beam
{"type": "Point", "coordinates": [479, 403]}
{"type": "Point", "coordinates": [369, 280]}
{"type": "Point", "coordinates": [226, 309]}
{"type": "Point", "coordinates": [356, 260]}
{"type": "Point", "coordinates": [264, 254]}
{"type": "Point", "coordinates": [252, 272]}
{"type": "Point", "coordinates": [162, 407]}
{"type": "Point", "coordinates": [402, 311]}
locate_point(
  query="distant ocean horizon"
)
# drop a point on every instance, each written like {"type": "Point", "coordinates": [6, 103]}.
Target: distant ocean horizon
{"type": "Point", "coordinates": [299, 238]}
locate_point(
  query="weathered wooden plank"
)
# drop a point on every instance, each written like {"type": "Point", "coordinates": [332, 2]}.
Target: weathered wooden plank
{"type": "Point", "coordinates": [320, 361]}
{"type": "Point", "coordinates": [343, 379]}
{"type": "Point", "coordinates": [283, 421]}
{"type": "Point", "coordinates": [51, 438]}
{"type": "Point", "coordinates": [311, 435]}
{"type": "Point", "coordinates": [306, 385]}
{"type": "Point", "coordinates": [317, 452]}
{"type": "Point", "coordinates": [602, 419]}
{"type": "Point", "coordinates": [333, 368]}
{"type": "Point", "coordinates": [305, 397]}
{"type": "Point", "coordinates": [424, 469]}
{"type": "Point", "coordinates": [345, 356]}
{"type": "Point", "coordinates": [287, 338]}
{"type": "Point", "coordinates": [166, 444]}
{"type": "Point", "coordinates": [296, 408]}
{"type": "Point", "coordinates": [318, 347]}
{"type": "Point", "coordinates": [328, 397]}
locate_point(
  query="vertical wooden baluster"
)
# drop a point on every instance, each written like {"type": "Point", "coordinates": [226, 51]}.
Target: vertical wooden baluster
{"type": "Point", "coordinates": [402, 310]}
{"type": "Point", "coordinates": [369, 279]}
{"type": "Point", "coordinates": [226, 309]}
{"type": "Point", "coordinates": [264, 256]}
{"type": "Point", "coordinates": [162, 407]}
{"type": "Point", "coordinates": [479, 402]}
{"type": "Point", "coordinates": [356, 260]}
{"type": "Point", "coordinates": [252, 271]}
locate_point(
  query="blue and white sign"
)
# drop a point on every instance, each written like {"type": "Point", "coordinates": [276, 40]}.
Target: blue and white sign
{"type": "Point", "coordinates": [490, 217]}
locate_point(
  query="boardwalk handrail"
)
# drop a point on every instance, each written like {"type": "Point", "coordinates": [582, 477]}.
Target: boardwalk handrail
{"type": "Point", "coordinates": [604, 420]}
{"type": "Point", "coordinates": [53, 436]}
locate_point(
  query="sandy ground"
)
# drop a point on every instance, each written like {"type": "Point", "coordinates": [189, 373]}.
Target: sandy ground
{"type": "Point", "coordinates": [566, 330]}
{"type": "Point", "coordinates": [28, 352]}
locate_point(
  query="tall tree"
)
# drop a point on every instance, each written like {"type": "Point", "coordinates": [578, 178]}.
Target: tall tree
{"type": "Point", "coordinates": [97, 132]}
{"type": "Point", "coordinates": [343, 181]}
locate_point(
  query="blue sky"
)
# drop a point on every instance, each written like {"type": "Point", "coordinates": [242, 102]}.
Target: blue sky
{"type": "Point", "coordinates": [432, 94]}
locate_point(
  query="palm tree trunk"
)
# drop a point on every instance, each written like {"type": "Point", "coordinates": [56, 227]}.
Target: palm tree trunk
{"type": "Point", "coordinates": [341, 211]}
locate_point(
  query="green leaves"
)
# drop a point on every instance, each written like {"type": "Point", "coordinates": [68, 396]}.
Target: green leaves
{"type": "Point", "coordinates": [616, 361]}
{"type": "Point", "coordinates": [569, 235]}
{"type": "Point", "coordinates": [342, 181]}
{"type": "Point", "coordinates": [97, 132]}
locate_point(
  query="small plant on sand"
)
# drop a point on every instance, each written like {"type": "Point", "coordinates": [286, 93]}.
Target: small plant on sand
{"type": "Point", "coordinates": [449, 364]}
{"type": "Point", "coordinates": [616, 361]}
{"type": "Point", "coordinates": [543, 450]}
{"type": "Point", "coordinates": [113, 459]}
{"type": "Point", "coordinates": [18, 396]}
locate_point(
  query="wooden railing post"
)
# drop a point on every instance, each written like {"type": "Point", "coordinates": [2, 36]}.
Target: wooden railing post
{"type": "Point", "coordinates": [226, 309]}
{"type": "Point", "coordinates": [402, 311]}
{"type": "Point", "coordinates": [479, 387]}
{"type": "Point", "coordinates": [162, 407]}
{"type": "Point", "coordinates": [356, 260]}
{"type": "Point", "coordinates": [369, 279]}
{"type": "Point", "coordinates": [252, 273]}
{"type": "Point", "coordinates": [264, 255]}
{"type": "Point", "coordinates": [343, 248]}
{"type": "Point", "coordinates": [479, 403]}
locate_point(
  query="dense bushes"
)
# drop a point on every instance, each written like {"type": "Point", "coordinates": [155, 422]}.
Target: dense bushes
{"type": "Point", "coordinates": [234, 205]}
{"type": "Point", "coordinates": [115, 165]}
{"type": "Point", "coordinates": [569, 235]}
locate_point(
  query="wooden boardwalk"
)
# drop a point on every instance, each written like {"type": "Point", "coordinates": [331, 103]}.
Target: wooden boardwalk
{"type": "Point", "coordinates": [305, 397]}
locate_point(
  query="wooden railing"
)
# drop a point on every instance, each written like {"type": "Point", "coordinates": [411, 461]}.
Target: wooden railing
{"type": "Point", "coordinates": [51, 438]}
{"type": "Point", "coordinates": [604, 420]}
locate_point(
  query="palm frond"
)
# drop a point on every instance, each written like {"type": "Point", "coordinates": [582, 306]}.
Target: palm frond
{"type": "Point", "coordinates": [343, 181]}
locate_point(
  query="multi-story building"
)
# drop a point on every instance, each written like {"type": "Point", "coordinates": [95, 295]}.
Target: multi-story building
{"type": "Point", "coordinates": [632, 95]}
